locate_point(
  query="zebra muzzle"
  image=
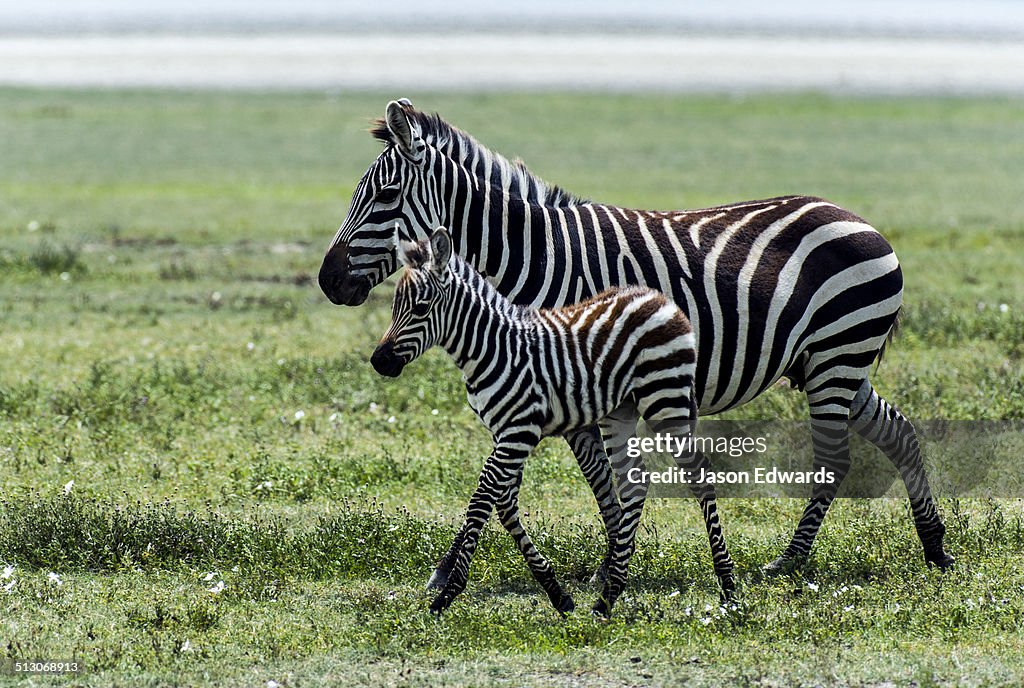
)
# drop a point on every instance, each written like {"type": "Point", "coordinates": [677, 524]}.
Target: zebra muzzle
{"type": "Point", "coordinates": [385, 361]}
{"type": "Point", "coordinates": [338, 282]}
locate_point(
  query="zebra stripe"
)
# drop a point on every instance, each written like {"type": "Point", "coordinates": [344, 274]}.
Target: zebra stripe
{"type": "Point", "coordinates": [792, 286]}
{"type": "Point", "coordinates": [529, 374]}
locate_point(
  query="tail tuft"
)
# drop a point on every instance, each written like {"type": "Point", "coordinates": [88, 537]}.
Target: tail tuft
{"type": "Point", "coordinates": [896, 324]}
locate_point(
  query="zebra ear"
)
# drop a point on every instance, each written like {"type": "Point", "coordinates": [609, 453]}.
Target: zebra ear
{"type": "Point", "coordinates": [440, 249]}
{"type": "Point", "coordinates": [403, 133]}
{"type": "Point", "coordinates": [409, 253]}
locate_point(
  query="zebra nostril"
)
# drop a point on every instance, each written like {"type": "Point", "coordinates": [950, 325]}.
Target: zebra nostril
{"type": "Point", "coordinates": [385, 362]}
{"type": "Point", "coordinates": [334, 273]}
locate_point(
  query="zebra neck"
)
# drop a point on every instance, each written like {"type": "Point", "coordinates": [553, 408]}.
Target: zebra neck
{"type": "Point", "coordinates": [478, 319]}
{"type": "Point", "coordinates": [517, 244]}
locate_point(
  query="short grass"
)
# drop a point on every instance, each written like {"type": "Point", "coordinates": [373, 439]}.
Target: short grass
{"type": "Point", "coordinates": [180, 407]}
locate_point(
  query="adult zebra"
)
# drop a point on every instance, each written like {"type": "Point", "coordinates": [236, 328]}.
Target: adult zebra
{"type": "Point", "coordinates": [792, 286]}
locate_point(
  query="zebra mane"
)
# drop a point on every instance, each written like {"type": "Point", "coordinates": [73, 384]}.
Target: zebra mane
{"type": "Point", "coordinates": [461, 146]}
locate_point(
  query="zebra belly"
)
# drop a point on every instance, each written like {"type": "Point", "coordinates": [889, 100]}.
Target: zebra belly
{"type": "Point", "coordinates": [571, 407]}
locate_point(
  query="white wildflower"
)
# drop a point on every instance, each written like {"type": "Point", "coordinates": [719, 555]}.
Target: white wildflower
{"type": "Point", "coordinates": [280, 361]}
{"type": "Point", "coordinates": [54, 578]}
{"type": "Point", "coordinates": [67, 486]}
{"type": "Point", "coordinates": [813, 587]}
{"type": "Point", "coordinates": [374, 406]}
{"type": "Point", "coordinates": [333, 417]}
{"type": "Point", "coordinates": [391, 419]}
{"type": "Point", "coordinates": [217, 588]}
{"type": "Point", "coordinates": [674, 593]}
{"type": "Point", "coordinates": [7, 571]}
{"type": "Point", "coordinates": [706, 620]}
{"type": "Point", "coordinates": [209, 576]}
{"type": "Point", "coordinates": [186, 646]}
{"type": "Point", "coordinates": [33, 226]}
{"type": "Point", "coordinates": [1004, 308]}
{"type": "Point", "coordinates": [65, 276]}
{"type": "Point", "coordinates": [250, 346]}
{"type": "Point", "coordinates": [848, 608]}
{"type": "Point", "coordinates": [273, 684]}
{"type": "Point", "coordinates": [300, 414]}
{"type": "Point", "coordinates": [434, 412]}
{"type": "Point", "coordinates": [708, 607]}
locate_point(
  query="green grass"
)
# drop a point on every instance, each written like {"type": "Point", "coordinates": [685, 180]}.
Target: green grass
{"type": "Point", "coordinates": [167, 350]}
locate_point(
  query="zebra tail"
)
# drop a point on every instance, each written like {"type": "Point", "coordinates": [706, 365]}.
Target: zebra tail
{"type": "Point", "coordinates": [897, 323]}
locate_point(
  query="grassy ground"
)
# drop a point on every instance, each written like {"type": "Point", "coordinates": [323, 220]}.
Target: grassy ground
{"type": "Point", "coordinates": [180, 407]}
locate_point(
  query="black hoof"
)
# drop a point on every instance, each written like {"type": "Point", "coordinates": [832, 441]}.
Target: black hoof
{"type": "Point", "coordinates": [728, 583]}
{"type": "Point", "coordinates": [565, 605]}
{"type": "Point", "coordinates": [782, 565]}
{"type": "Point", "coordinates": [944, 561]}
{"type": "Point", "coordinates": [438, 579]}
{"type": "Point", "coordinates": [601, 609]}
{"type": "Point", "coordinates": [440, 603]}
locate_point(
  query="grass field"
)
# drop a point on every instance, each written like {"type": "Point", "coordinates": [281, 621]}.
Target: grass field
{"type": "Point", "coordinates": [203, 482]}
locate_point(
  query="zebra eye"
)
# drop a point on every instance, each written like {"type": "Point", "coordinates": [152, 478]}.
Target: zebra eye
{"type": "Point", "coordinates": [389, 194]}
{"type": "Point", "coordinates": [421, 308]}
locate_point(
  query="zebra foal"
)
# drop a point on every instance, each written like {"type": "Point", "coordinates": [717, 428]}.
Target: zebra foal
{"type": "Point", "coordinates": [539, 373]}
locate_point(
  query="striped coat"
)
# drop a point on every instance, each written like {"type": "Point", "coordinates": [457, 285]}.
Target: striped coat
{"type": "Point", "coordinates": [554, 372]}
{"type": "Point", "coordinates": [791, 287]}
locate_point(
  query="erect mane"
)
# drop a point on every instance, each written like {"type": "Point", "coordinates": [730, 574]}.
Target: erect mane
{"type": "Point", "coordinates": [461, 146]}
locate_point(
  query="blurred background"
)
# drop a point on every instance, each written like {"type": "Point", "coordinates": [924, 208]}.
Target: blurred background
{"type": "Point", "coordinates": [904, 46]}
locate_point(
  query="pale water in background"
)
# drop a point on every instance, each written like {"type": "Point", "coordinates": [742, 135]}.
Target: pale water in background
{"type": "Point", "coordinates": [963, 18]}
{"type": "Point", "coordinates": [902, 46]}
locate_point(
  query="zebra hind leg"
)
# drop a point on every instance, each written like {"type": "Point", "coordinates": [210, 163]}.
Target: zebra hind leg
{"type": "Point", "coordinates": [829, 399]}
{"type": "Point", "coordinates": [617, 428]}
{"type": "Point", "coordinates": [698, 464]}
{"type": "Point", "coordinates": [588, 448]}
{"type": "Point", "coordinates": [882, 424]}
{"type": "Point", "coordinates": [680, 421]}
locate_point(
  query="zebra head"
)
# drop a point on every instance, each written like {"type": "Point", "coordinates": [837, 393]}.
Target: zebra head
{"type": "Point", "coordinates": [416, 320]}
{"type": "Point", "coordinates": [396, 189]}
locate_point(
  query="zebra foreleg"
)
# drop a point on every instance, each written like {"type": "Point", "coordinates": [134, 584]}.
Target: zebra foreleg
{"type": "Point", "coordinates": [439, 578]}
{"type": "Point", "coordinates": [500, 472]}
{"type": "Point", "coordinates": [543, 573]}
{"type": "Point", "coordinates": [882, 424]}
{"type": "Point", "coordinates": [588, 448]}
